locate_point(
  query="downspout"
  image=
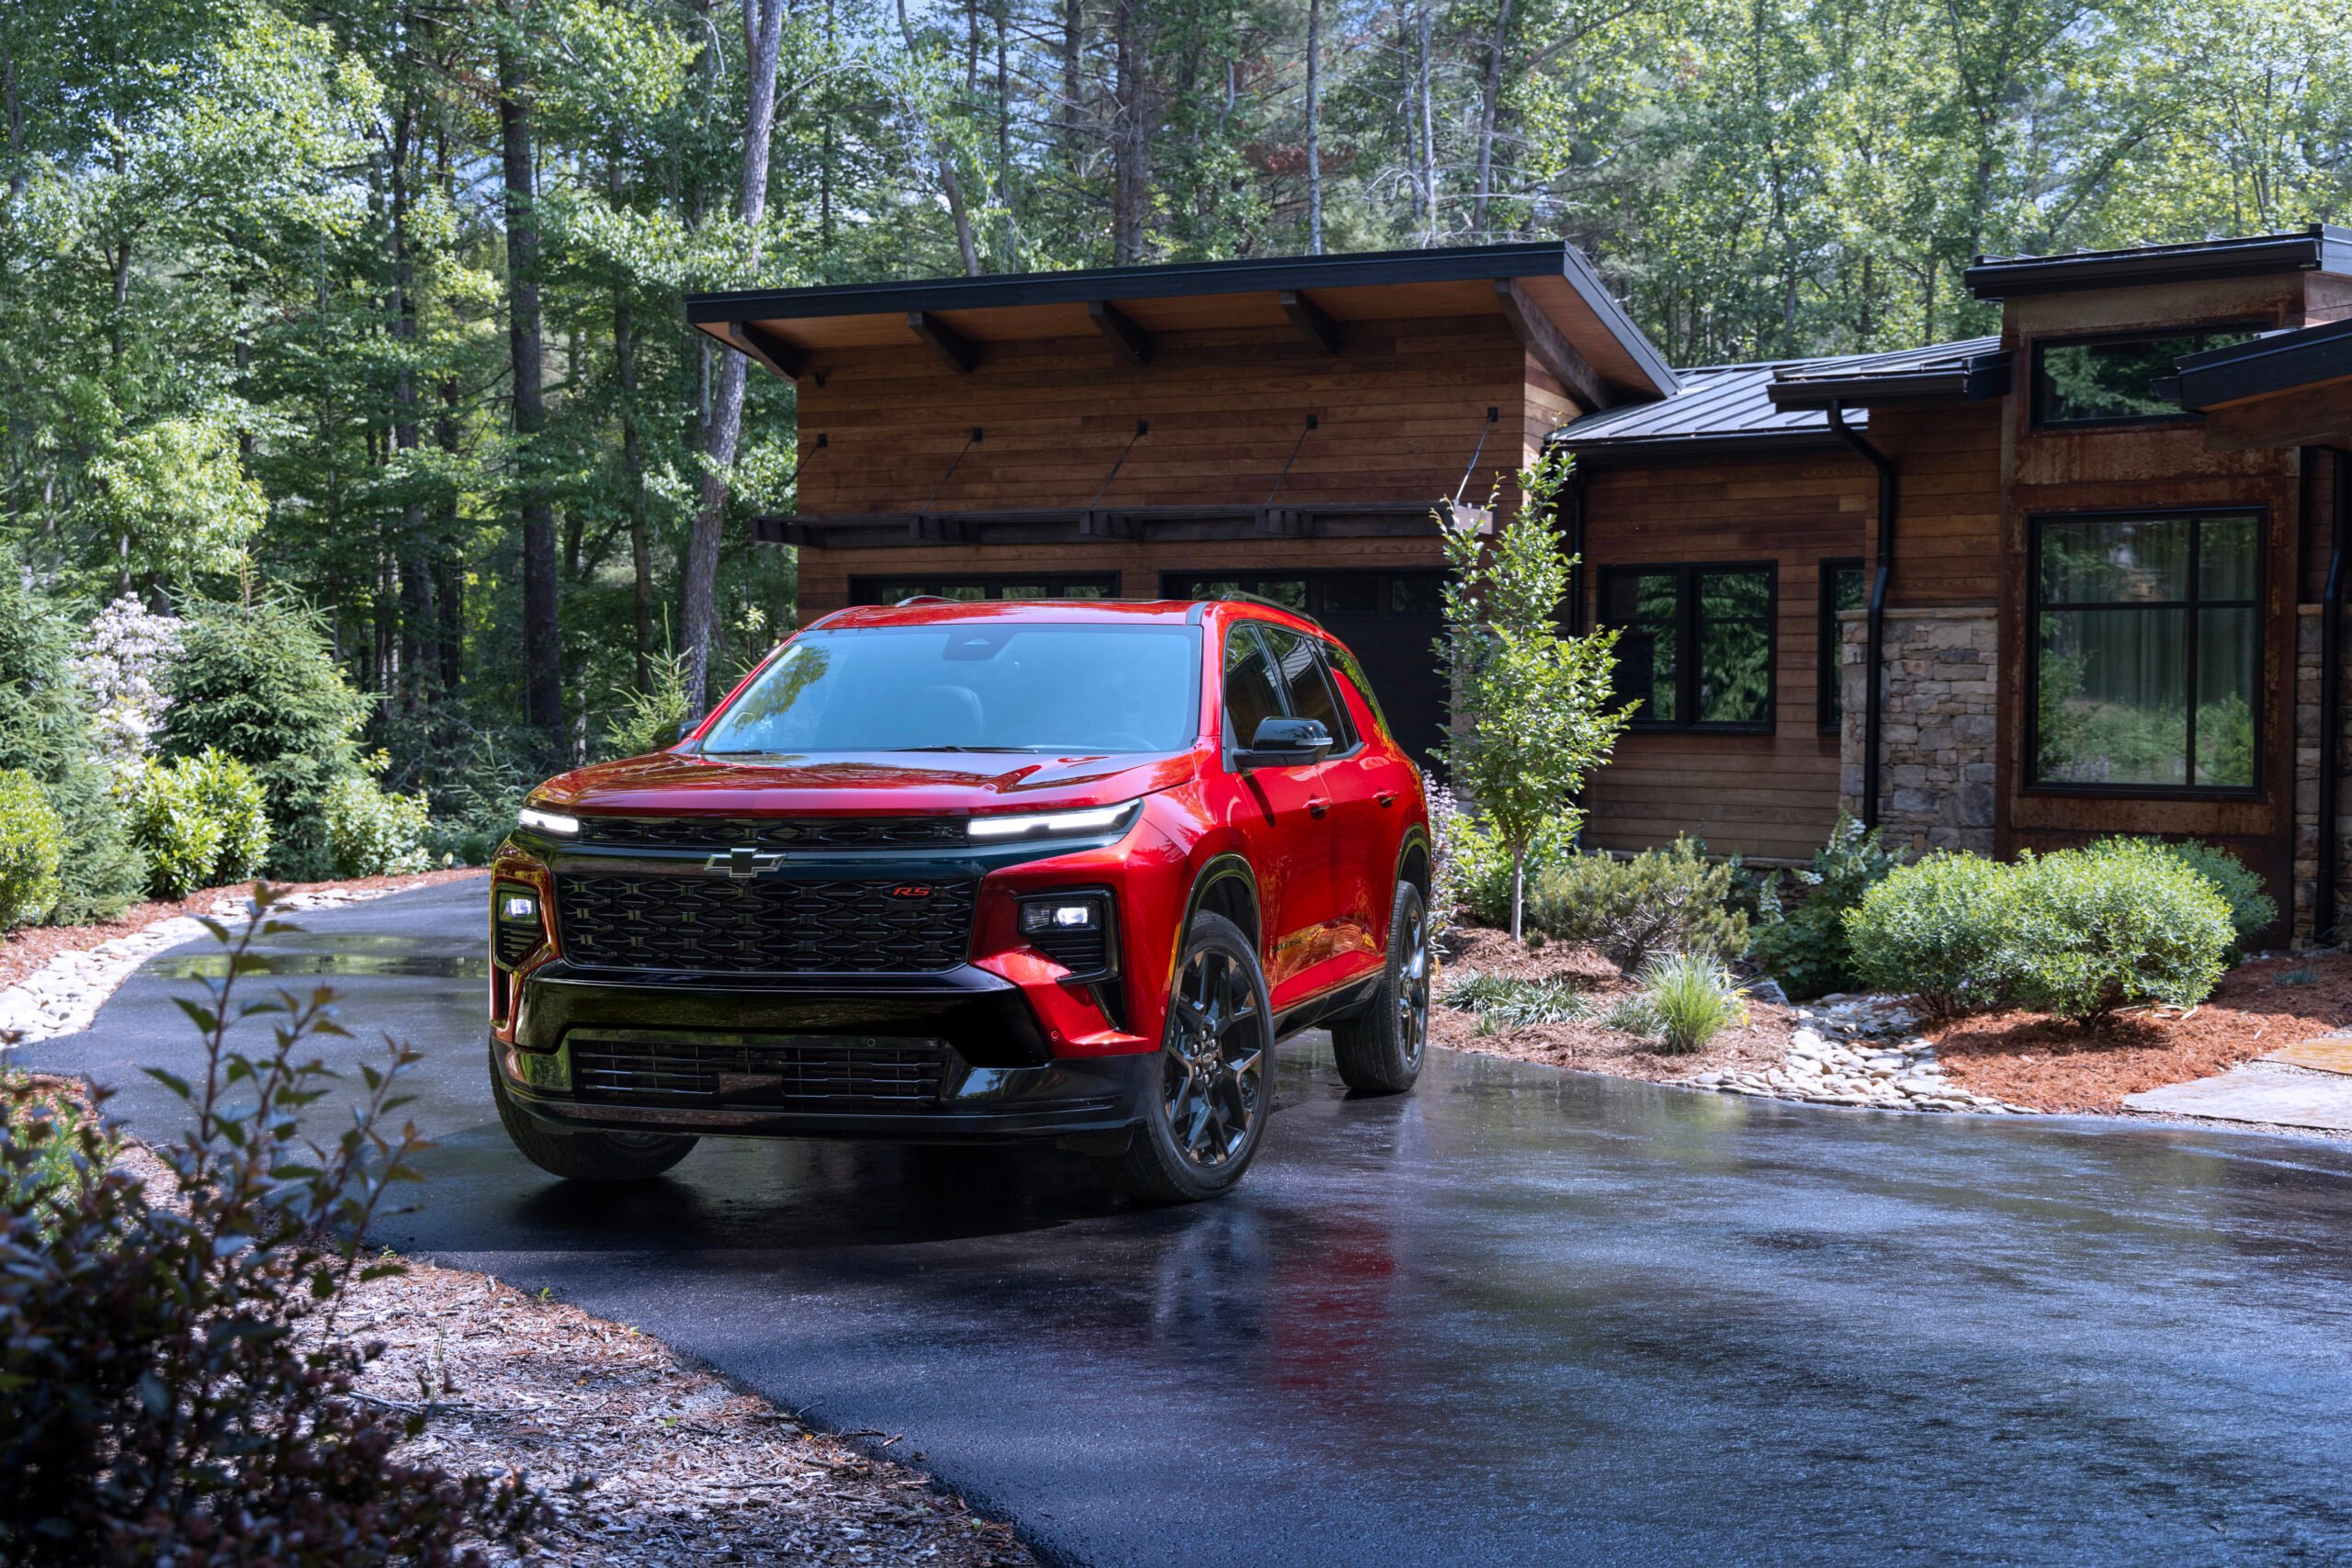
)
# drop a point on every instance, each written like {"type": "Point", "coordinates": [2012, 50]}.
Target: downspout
{"type": "Point", "coordinates": [1875, 646]}
{"type": "Point", "coordinates": [2330, 697]}
{"type": "Point", "coordinates": [1576, 551]}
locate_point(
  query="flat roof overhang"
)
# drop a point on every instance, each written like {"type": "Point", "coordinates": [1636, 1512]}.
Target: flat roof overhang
{"type": "Point", "coordinates": [2283, 388]}
{"type": "Point", "coordinates": [2323, 247]}
{"type": "Point", "coordinates": [1655, 450]}
{"type": "Point", "coordinates": [1546, 290]}
{"type": "Point", "coordinates": [1972, 380]}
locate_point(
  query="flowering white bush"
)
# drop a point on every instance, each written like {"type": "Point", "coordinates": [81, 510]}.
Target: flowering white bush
{"type": "Point", "coordinates": [118, 663]}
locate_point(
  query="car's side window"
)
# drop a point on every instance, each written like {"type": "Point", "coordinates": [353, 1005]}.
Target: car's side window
{"type": "Point", "coordinates": [1249, 694]}
{"type": "Point", "coordinates": [1308, 683]}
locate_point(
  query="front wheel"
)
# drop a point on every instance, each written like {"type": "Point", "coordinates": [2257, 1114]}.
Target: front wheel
{"type": "Point", "coordinates": [1379, 1050]}
{"type": "Point", "coordinates": [587, 1154]}
{"type": "Point", "coordinates": [1203, 1126]}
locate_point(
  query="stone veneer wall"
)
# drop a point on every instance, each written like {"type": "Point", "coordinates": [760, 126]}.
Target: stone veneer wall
{"type": "Point", "coordinates": [1938, 729]}
{"type": "Point", "coordinates": [2307, 620]}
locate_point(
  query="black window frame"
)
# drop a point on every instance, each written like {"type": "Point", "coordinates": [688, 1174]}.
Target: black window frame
{"type": "Point", "coordinates": [1686, 631]}
{"type": "Point", "coordinates": [2038, 386]}
{"type": "Point", "coordinates": [1829, 653]}
{"type": "Point", "coordinates": [866, 588]}
{"type": "Point", "coordinates": [1347, 741]}
{"type": "Point", "coordinates": [2035, 524]}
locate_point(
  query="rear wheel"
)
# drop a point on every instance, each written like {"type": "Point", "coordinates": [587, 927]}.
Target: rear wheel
{"type": "Point", "coordinates": [588, 1154]}
{"type": "Point", "coordinates": [1379, 1050]}
{"type": "Point", "coordinates": [1203, 1121]}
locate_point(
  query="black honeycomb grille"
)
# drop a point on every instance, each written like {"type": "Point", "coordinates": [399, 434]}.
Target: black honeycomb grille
{"type": "Point", "coordinates": [715, 925]}
{"type": "Point", "coordinates": [783, 1075]}
{"type": "Point", "coordinates": [770, 833]}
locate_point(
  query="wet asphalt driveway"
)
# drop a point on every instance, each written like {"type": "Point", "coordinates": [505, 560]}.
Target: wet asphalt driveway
{"type": "Point", "coordinates": [1519, 1316]}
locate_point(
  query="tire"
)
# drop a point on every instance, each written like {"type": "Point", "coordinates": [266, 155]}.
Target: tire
{"type": "Point", "coordinates": [588, 1154]}
{"type": "Point", "coordinates": [1379, 1050]}
{"type": "Point", "coordinates": [1216, 1058]}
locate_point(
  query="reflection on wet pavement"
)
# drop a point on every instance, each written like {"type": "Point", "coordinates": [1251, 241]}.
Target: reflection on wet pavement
{"type": "Point", "coordinates": [1516, 1317]}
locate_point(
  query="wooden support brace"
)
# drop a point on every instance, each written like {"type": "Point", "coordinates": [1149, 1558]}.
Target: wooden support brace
{"type": "Point", "coordinates": [1131, 341]}
{"type": "Point", "coordinates": [1542, 340]}
{"type": "Point", "coordinates": [787, 359]}
{"type": "Point", "coordinates": [1310, 318]}
{"type": "Point", "coordinates": [952, 345]}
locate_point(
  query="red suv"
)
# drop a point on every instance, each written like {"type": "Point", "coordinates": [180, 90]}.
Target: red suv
{"type": "Point", "coordinates": [943, 872]}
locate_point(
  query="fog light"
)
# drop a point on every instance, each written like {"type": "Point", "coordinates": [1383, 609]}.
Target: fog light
{"type": "Point", "coordinates": [519, 907]}
{"type": "Point", "coordinates": [1077, 915]}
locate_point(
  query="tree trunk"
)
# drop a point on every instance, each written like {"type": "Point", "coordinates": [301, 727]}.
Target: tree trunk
{"type": "Point", "coordinates": [1073, 85]}
{"type": "Point", "coordinates": [1428, 129]}
{"type": "Point", "coordinates": [415, 572]}
{"type": "Point", "coordinates": [727, 405]}
{"type": "Point", "coordinates": [1490, 96]}
{"type": "Point", "coordinates": [1314, 116]}
{"type": "Point", "coordinates": [1130, 181]}
{"type": "Point", "coordinates": [543, 674]}
{"type": "Point", "coordinates": [951, 184]}
{"type": "Point", "coordinates": [1518, 888]}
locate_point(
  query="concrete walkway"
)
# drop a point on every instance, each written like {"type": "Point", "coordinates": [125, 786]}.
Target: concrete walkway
{"type": "Point", "coordinates": [2307, 1085]}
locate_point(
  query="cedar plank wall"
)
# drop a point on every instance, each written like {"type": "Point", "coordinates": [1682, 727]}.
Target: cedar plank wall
{"type": "Point", "coordinates": [1948, 504]}
{"type": "Point", "coordinates": [2151, 466]}
{"type": "Point", "coordinates": [1400, 408]}
{"type": "Point", "coordinates": [1767, 796]}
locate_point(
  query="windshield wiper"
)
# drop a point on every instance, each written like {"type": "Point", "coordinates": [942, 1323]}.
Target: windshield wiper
{"type": "Point", "coordinates": [1001, 750]}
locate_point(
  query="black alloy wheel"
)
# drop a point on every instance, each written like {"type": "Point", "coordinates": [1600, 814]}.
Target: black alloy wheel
{"type": "Point", "coordinates": [1379, 1050]}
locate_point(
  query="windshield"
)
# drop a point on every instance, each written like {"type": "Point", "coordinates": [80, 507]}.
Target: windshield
{"type": "Point", "coordinates": [971, 686]}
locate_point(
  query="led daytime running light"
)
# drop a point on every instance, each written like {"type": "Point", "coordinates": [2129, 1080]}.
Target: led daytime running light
{"type": "Point", "coordinates": [1051, 824]}
{"type": "Point", "coordinates": [549, 821]}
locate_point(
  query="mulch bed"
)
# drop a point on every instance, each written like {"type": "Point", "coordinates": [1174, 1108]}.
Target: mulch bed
{"type": "Point", "coordinates": [22, 952]}
{"type": "Point", "coordinates": [2028, 1058]}
{"type": "Point", "coordinates": [1584, 1045]}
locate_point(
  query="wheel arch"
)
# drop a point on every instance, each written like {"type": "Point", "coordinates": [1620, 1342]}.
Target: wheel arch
{"type": "Point", "coordinates": [1225, 885]}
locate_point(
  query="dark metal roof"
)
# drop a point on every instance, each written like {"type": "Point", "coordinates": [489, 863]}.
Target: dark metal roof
{"type": "Point", "coordinates": [2323, 247]}
{"type": "Point", "coordinates": [1941, 373]}
{"type": "Point", "coordinates": [2275, 362]}
{"type": "Point", "coordinates": [1728, 408]}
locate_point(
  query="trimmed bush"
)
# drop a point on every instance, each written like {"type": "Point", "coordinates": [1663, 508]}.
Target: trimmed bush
{"type": "Point", "coordinates": [372, 832]}
{"type": "Point", "coordinates": [1659, 901]}
{"type": "Point", "coordinates": [1936, 931]}
{"type": "Point", "coordinates": [2118, 924]}
{"type": "Point", "coordinates": [32, 846]}
{"type": "Point", "coordinates": [1480, 864]}
{"type": "Point", "coordinates": [2252, 911]}
{"type": "Point", "coordinates": [1806, 948]}
{"type": "Point", "coordinates": [1691, 999]}
{"type": "Point", "coordinates": [201, 822]}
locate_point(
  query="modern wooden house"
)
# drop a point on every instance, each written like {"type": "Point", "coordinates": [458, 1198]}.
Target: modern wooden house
{"type": "Point", "coordinates": [2086, 558]}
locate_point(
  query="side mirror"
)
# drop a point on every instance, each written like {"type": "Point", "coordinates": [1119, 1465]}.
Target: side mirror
{"type": "Point", "coordinates": [685, 726]}
{"type": "Point", "coordinates": [1285, 743]}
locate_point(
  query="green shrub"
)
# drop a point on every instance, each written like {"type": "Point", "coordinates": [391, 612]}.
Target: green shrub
{"type": "Point", "coordinates": [1691, 999]}
{"type": "Point", "coordinates": [372, 832]}
{"type": "Point", "coordinates": [649, 721]}
{"type": "Point", "coordinates": [1806, 948]}
{"type": "Point", "coordinates": [2252, 911]}
{"type": "Point", "coordinates": [1659, 901]}
{"type": "Point", "coordinates": [2116, 924]}
{"type": "Point", "coordinates": [32, 846]}
{"type": "Point", "coordinates": [1937, 932]}
{"type": "Point", "coordinates": [1503, 1003]}
{"type": "Point", "coordinates": [45, 731]}
{"type": "Point", "coordinates": [261, 684]}
{"type": "Point", "coordinates": [201, 822]}
{"type": "Point", "coordinates": [1480, 864]}
{"type": "Point", "coordinates": [31, 1184]}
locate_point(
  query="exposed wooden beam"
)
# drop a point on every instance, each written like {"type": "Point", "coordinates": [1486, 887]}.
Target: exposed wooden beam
{"type": "Point", "coordinates": [953, 346]}
{"type": "Point", "coordinates": [1310, 319]}
{"type": "Point", "coordinates": [1551, 350]}
{"type": "Point", "coordinates": [1133, 344]}
{"type": "Point", "coordinates": [2303, 416]}
{"type": "Point", "coordinates": [785, 358]}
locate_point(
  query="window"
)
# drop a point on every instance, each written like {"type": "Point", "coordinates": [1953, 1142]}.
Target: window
{"type": "Point", "coordinates": [1696, 649]}
{"type": "Point", "coordinates": [890, 590]}
{"type": "Point", "coordinates": [2147, 651]}
{"type": "Point", "coordinates": [1249, 695]}
{"type": "Point", "coordinates": [1308, 684]}
{"type": "Point", "coordinates": [1841, 590]}
{"type": "Point", "coordinates": [2118, 379]}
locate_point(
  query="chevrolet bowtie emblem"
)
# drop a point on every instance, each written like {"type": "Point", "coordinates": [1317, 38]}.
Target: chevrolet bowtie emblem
{"type": "Point", "coordinates": [743, 863]}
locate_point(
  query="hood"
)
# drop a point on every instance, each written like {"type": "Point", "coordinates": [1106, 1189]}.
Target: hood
{"type": "Point", "coordinates": [871, 783]}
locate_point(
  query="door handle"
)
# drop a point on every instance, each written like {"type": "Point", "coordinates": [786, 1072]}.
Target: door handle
{"type": "Point", "coordinates": [1387, 797]}
{"type": "Point", "coordinates": [1317, 807]}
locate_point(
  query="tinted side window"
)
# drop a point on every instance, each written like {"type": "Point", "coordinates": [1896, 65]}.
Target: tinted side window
{"type": "Point", "coordinates": [1309, 685]}
{"type": "Point", "coordinates": [1249, 686]}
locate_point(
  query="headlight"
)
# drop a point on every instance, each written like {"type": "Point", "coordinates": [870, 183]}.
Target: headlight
{"type": "Point", "coordinates": [1054, 824]}
{"type": "Point", "coordinates": [1074, 914]}
{"type": "Point", "coordinates": [548, 821]}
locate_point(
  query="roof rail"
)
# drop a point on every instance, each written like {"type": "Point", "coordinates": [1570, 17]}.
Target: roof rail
{"type": "Point", "coordinates": [922, 599]}
{"type": "Point", "coordinates": [1239, 597]}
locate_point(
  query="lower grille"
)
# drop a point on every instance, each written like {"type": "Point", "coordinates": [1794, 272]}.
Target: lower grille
{"type": "Point", "coordinates": [807, 1074]}
{"type": "Point", "coordinates": [1080, 952]}
{"type": "Point", "coordinates": [715, 925]}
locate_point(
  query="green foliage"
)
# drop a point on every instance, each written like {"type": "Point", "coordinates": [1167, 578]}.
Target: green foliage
{"type": "Point", "coordinates": [1503, 1003]}
{"type": "Point", "coordinates": [32, 843]}
{"type": "Point", "coordinates": [648, 721]}
{"type": "Point", "coordinates": [261, 686]}
{"type": "Point", "coordinates": [173, 500]}
{"type": "Point", "coordinates": [1936, 930]}
{"type": "Point", "coordinates": [1659, 901]}
{"type": "Point", "coordinates": [1691, 999]}
{"type": "Point", "coordinates": [373, 832]}
{"type": "Point", "coordinates": [2252, 911]}
{"type": "Point", "coordinates": [2111, 926]}
{"type": "Point", "coordinates": [200, 820]}
{"type": "Point", "coordinates": [169, 1387]}
{"type": "Point", "coordinates": [1480, 863]}
{"type": "Point", "coordinates": [1534, 717]}
{"type": "Point", "coordinates": [1806, 948]}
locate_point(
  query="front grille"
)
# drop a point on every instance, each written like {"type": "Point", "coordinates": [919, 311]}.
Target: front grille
{"type": "Point", "coordinates": [768, 927]}
{"type": "Point", "coordinates": [811, 1074]}
{"type": "Point", "coordinates": [810, 832]}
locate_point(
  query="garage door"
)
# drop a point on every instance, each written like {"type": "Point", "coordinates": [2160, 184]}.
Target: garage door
{"type": "Point", "coordinates": [1389, 618]}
